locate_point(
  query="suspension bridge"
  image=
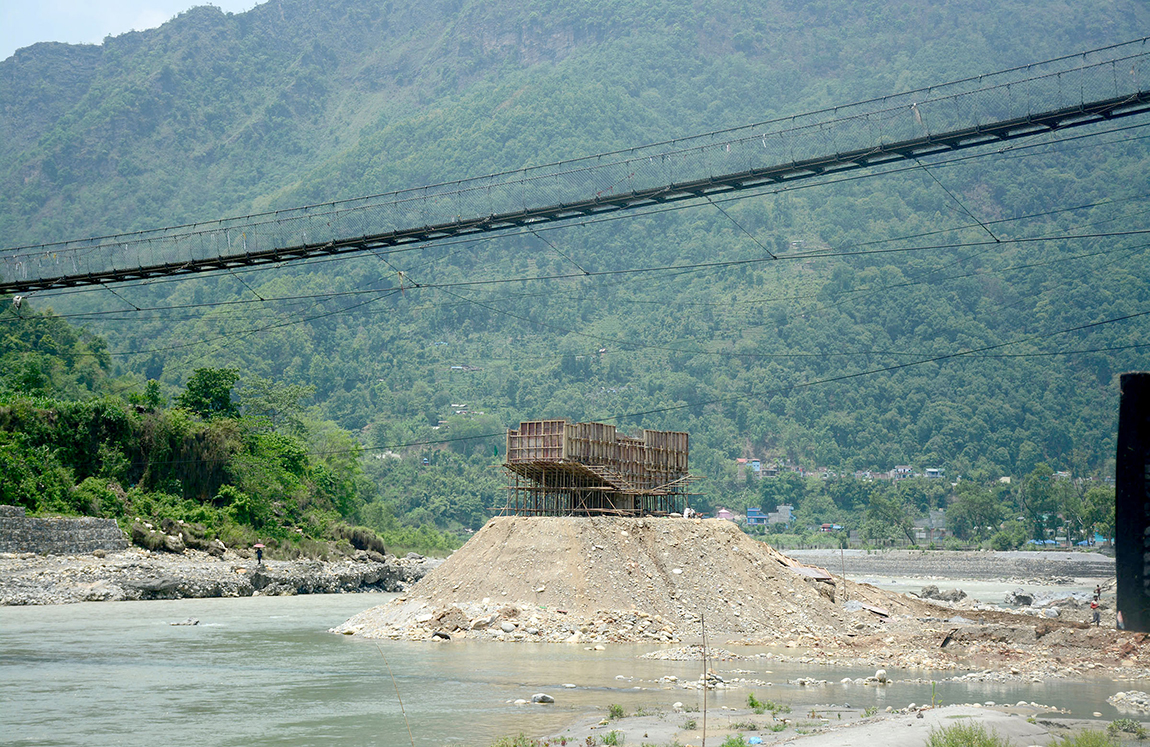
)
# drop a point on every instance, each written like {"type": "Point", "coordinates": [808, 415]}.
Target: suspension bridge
{"type": "Point", "coordinates": [1043, 97]}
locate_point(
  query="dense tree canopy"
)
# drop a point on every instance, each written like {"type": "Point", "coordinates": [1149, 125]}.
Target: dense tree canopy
{"type": "Point", "coordinates": [968, 313]}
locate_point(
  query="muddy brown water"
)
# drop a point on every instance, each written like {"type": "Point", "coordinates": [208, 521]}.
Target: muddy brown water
{"type": "Point", "coordinates": [264, 670]}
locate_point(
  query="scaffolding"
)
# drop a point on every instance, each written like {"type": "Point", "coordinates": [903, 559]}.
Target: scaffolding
{"type": "Point", "coordinates": [557, 468]}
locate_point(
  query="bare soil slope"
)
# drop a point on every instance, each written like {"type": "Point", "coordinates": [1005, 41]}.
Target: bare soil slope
{"type": "Point", "coordinates": [601, 579]}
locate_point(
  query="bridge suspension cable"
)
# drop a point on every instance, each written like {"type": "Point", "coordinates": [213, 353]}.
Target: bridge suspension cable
{"type": "Point", "coordinates": [1042, 97]}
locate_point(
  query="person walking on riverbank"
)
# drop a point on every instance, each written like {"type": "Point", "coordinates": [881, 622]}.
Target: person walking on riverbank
{"type": "Point", "coordinates": [259, 554]}
{"type": "Point", "coordinates": [1096, 614]}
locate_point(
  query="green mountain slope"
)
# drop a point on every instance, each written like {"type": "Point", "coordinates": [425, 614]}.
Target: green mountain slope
{"type": "Point", "coordinates": [845, 360]}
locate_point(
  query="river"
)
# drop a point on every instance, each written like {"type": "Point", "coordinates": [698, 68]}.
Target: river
{"type": "Point", "coordinates": [264, 670]}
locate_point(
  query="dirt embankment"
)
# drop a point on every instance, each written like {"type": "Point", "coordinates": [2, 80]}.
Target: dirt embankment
{"type": "Point", "coordinates": [1015, 565]}
{"type": "Point", "coordinates": [563, 576]}
{"type": "Point", "coordinates": [602, 580]}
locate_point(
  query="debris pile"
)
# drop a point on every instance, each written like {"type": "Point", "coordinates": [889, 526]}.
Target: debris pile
{"type": "Point", "coordinates": [600, 579]}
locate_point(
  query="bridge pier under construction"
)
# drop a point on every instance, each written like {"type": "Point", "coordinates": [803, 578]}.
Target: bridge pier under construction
{"type": "Point", "coordinates": [557, 468]}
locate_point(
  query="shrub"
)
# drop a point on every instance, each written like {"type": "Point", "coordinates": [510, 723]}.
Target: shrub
{"type": "Point", "coordinates": [1127, 726]}
{"type": "Point", "coordinates": [612, 738]}
{"type": "Point", "coordinates": [735, 740]}
{"type": "Point", "coordinates": [361, 538]}
{"type": "Point", "coordinates": [1087, 739]}
{"type": "Point", "coordinates": [615, 711]}
{"type": "Point", "coordinates": [762, 706]}
{"type": "Point", "coordinates": [966, 735]}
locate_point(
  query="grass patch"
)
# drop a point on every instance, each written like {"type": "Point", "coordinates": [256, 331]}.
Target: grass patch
{"type": "Point", "coordinates": [735, 740]}
{"type": "Point", "coordinates": [690, 725]}
{"type": "Point", "coordinates": [1087, 739]}
{"type": "Point", "coordinates": [615, 711]}
{"type": "Point", "coordinates": [966, 735]}
{"type": "Point", "coordinates": [523, 741]}
{"type": "Point", "coordinates": [612, 738]}
{"type": "Point", "coordinates": [762, 706]}
{"type": "Point", "coordinates": [744, 726]}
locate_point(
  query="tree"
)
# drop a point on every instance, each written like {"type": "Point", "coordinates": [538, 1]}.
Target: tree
{"type": "Point", "coordinates": [276, 403]}
{"type": "Point", "coordinates": [209, 393]}
{"type": "Point", "coordinates": [887, 518]}
{"type": "Point", "coordinates": [1038, 499]}
{"type": "Point", "coordinates": [975, 513]}
{"type": "Point", "coordinates": [1099, 513]}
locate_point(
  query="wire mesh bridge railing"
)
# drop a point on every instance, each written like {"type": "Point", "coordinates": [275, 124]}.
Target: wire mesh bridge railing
{"type": "Point", "coordinates": [1024, 101]}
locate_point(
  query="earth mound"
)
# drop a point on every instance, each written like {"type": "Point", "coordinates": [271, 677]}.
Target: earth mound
{"type": "Point", "coordinates": [601, 579]}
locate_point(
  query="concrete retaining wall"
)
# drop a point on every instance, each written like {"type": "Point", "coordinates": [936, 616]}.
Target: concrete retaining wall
{"type": "Point", "coordinates": [19, 533]}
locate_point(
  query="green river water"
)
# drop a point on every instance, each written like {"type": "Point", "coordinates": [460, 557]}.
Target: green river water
{"type": "Point", "coordinates": [265, 671]}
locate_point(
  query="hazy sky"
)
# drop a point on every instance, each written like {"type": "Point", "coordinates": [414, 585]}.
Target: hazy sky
{"type": "Point", "coordinates": [25, 22]}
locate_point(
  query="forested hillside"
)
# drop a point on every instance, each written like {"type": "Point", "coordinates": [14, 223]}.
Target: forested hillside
{"type": "Point", "coordinates": [915, 329]}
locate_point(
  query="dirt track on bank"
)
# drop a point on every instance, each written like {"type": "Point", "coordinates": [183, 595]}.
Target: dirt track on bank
{"type": "Point", "coordinates": [947, 564]}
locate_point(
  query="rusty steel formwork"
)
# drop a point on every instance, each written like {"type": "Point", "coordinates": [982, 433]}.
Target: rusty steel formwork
{"type": "Point", "coordinates": [557, 468]}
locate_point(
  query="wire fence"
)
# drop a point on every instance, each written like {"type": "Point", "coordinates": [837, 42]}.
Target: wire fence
{"type": "Point", "coordinates": [1111, 74]}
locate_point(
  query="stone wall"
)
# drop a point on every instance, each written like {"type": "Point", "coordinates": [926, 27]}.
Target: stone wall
{"type": "Point", "coordinates": [19, 533]}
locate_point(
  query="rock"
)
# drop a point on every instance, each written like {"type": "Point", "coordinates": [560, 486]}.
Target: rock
{"type": "Point", "coordinates": [1018, 598]}
{"type": "Point", "coordinates": [414, 556]}
{"type": "Point", "coordinates": [173, 543]}
{"type": "Point", "coordinates": [189, 621]}
{"type": "Point", "coordinates": [542, 698]}
{"type": "Point", "coordinates": [951, 595]}
{"type": "Point", "coordinates": [100, 553]}
{"type": "Point", "coordinates": [880, 675]}
{"type": "Point", "coordinates": [441, 634]}
{"type": "Point", "coordinates": [451, 619]}
{"type": "Point", "coordinates": [1134, 700]}
{"type": "Point", "coordinates": [507, 627]}
{"type": "Point", "coordinates": [146, 537]}
{"type": "Point", "coordinates": [156, 588]}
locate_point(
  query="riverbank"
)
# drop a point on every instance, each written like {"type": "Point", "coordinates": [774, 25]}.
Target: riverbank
{"type": "Point", "coordinates": [830, 725]}
{"type": "Point", "coordinates": [138, 574]}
